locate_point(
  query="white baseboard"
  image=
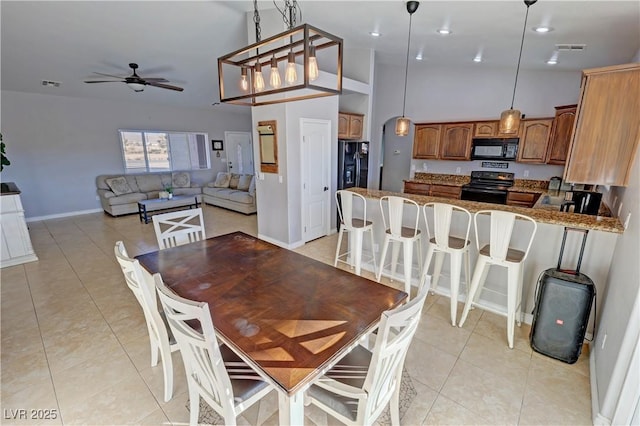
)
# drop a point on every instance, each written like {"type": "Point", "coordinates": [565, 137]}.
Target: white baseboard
{"type": "Point", "coordinates": [60, 215]}
{"type": "Point", "coordinates": [280, 243]}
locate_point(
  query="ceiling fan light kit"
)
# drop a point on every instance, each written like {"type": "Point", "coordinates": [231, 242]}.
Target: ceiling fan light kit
{"type": "Point", "coordinates": [403, 123]}
{"type": "Point", "coordinates": [300, 50]}
{"type": "Point", "coordinates": [510, 119]}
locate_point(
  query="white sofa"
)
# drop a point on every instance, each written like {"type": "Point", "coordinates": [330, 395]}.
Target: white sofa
{"type": "Point", "coordinates": [232, 191]}
{"type": "Point", "coordinates": [119, 194]}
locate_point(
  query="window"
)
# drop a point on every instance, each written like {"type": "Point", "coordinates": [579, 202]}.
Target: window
{"type": "Point", "coordinates": [155, 151]}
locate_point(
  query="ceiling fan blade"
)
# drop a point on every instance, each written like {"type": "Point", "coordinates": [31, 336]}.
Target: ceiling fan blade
{"type": "Point", "coordinates": [104, 81]}
{"type": "Point", "coordinates": [156, 79]}
{"type": "Point", "coordinates": [165, 86]}
{"type": "Point", "coordinates": [109, 75]}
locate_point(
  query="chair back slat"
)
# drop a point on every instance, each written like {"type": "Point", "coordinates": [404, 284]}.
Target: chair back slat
{"type": "Point", "coordinates": [347, 201]}
{"type": "Point", "coordinates": [177, 228]}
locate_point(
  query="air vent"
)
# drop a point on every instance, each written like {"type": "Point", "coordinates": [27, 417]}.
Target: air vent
{"type": "Point", "coordinates": [571, 47]}
{"type": "Point", "coordinates": [51, 83]}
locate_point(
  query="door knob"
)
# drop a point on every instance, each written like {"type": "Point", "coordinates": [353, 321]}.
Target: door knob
{"type": "Point", "coordinates": [326, 188]}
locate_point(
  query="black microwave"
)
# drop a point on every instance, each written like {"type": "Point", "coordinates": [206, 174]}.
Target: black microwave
{"type": "Point", "coordinates": [495, 149]}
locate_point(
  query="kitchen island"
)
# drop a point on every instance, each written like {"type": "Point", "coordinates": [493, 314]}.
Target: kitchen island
{"type": "Point", "coordinates": [543, 254]}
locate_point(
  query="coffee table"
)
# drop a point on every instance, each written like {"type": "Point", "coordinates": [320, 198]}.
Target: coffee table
{"type": "Point", "coordinates": [157, 204]}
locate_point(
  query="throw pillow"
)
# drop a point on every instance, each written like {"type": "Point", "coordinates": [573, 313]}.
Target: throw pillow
{"type": "Point", "coordinates": [244, 182]}
{"type": "Point", "coordinates": [233, 183]}
{"type": "Point", "coordinates": [119, 185]}
{"type": "Point", "coordinates": [222, 180]}
{"type": "Point", "coordinates": [181, 180]}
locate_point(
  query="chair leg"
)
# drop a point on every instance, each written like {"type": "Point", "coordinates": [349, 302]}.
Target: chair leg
{"type": "Point", "coordinates": [335, 263]}
{"type": "Point", "coordinates": [475, 283]}
{"type": "Point", "coordinates": [357, 238]}
{"type": "Point", "coordinates": [513, 273]}
{"type": "Point", "coordinates": [394, 403]}
{"type": "Point", "coordinates": [155, 349]}
{"type": "Point", "coordinates": [395, 251]}
{"type": "Point", "coordinates": [167, 371]}
{"type": "Point", "coordinates": [437, 269]}
{"type": "Point", "coordinates": [467, 271]}
{"type": "Point", "coordinates": [456, 263]}
{"type": "Point", "coordinates": [407, 263]}
{"type": "Point", "coordinates": [194, 404]}
{"type": "Point", "coordinates": [425, 269]}
{"type": "Point", "coordinates": [373, 252]}
{"type": "Point", "coordinates": [385, 246]}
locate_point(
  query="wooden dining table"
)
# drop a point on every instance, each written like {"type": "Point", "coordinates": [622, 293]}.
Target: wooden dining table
{"type": "Point", "coordinates": [290, 317]}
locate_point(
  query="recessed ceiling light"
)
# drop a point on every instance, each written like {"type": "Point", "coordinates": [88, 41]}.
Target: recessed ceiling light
{"type": "Point", "coordinates": [478, 58]}
{"type": "Point", "coordinates": [419, 57]}
{"type": "Point", "coordinates": [552, 61]}
{"type": "Point", "coordinates": [444, 31]}
{"type": "Point", "coordinates": [542, 29]}
{"type": "Point", "coordinates": [374, 34]}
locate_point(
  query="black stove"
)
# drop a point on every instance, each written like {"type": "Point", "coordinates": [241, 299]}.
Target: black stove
{"type": "Point", "coordinates": [488, 187]}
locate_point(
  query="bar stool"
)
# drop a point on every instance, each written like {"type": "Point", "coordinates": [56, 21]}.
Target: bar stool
{"type": "Point", "coordinates": [442, 243]}
{"type": "Point", "coordinates": [498, 252]}
{"type": "Point", "coordinates": [397, 235]}
{"type": "Point", "coordinates": [355, 227]}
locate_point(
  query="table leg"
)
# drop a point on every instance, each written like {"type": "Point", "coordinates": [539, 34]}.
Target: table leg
{"type": "Point", "coordinates": [291, 408]}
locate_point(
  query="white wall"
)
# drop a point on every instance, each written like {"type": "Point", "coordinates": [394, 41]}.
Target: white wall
{"type": "Point", "coordinates": [474, 93]}
{"type": "Point", "coordinates": [58, 145]}
{"type": "Point", "coordinates": [280, 203]}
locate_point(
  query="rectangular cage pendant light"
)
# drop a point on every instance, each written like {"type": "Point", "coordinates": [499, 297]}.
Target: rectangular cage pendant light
{"type": "Point", "coordinates": [301, 63]}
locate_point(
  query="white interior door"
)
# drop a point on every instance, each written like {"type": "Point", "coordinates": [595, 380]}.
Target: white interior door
{"type": "Point", "coordinates": [239, 152]}
{"type": "Point", "coordinates": [316, 169]}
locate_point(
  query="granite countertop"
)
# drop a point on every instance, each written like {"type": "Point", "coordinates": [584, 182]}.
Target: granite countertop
{"type": "Point", "coordinates": [9, 188]}
{"type": "Point", "coordinates": [440, 179]}
{"type": "Point", "coordinates": [541, 215]}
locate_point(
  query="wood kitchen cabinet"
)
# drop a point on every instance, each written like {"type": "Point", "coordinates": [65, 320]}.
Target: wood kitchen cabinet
{"type": "Point", "coordinates": [534, 140]}
{"type": "Point", "coordinates": [523, 199]}
{"type": "Point", "coordinates": [350, 125]}
{"type": "Point", "coordinates": [426, 141]}
{"type": "Point", "coordinates": [455, 141]}
{"type": "Point", "coordinates": [561, 134]}
{"type": "Point", "coordinates": [607, 128]}
{"type": "Point", "coordinates": [417, 188]}
{"type": "Point", "coordinates": [446, 191]}
{"type": "Point", "coordinates": [485, 129]}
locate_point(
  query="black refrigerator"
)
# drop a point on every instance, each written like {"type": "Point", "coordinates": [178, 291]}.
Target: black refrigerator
{"type": "Point", "coordinates": [353, 164]}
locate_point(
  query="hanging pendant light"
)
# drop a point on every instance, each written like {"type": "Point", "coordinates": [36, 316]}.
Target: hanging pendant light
{"type": "Point", "coordinates": [244, 83]}
{"type": "Point", "coordinates": [259, 79]}
{"type": "Point", "coordinates": [291, 74]}
{"type": "Point", "coordinates": [274, 78]}
{"type": "Point", "coordinates": [510, 119]}
{"type": "Point", "coordinates": [403, 123]}
{"type": "Point", "coordinates": [313, 64]}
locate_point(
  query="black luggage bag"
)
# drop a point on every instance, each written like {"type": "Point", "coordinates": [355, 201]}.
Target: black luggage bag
{"type": "Point", "coordinates": [561, 313]}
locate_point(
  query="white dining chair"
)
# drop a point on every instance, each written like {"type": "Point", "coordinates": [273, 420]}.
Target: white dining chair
{"type": "Point", "coordinates": [500, 252]}
{"type": "Point", "coordinates": [214, 372]}
{"type": "Point", "coordinates": [355, 228]}
{"type": "Point", "coordinates": [441, 243]}
{"type": "Point", "coordinates": [363, 383]}
{"type": "Point", "coordinates": [160, 338]}
{"type": "Point", "coordinates": [398, 235]}
{"type": "Point", "coordinates": [177, 228]}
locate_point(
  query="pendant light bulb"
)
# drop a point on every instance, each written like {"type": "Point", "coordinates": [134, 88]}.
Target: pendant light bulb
{"type": "Point", "coordinates": [244, 83]}
{"type": "Point", "coordinates": [291, 74]}
{"type": "Point", "coordinates": [274, 78]}
{"type": "Point", "coordinates": [403, 123]}
{"type": "Point", "coordinates": [312, 66]}
{"type": "Point", "coordinates": [510, 119]}
{"type": "Point", "coordinates": [258, 84]}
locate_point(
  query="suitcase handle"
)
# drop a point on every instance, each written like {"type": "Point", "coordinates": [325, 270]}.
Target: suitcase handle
{"type": "Point", "coordinates": [564, 239]}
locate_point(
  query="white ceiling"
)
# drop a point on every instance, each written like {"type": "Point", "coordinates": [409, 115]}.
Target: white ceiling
{"type": "Point", "coordinates": [66, 41]}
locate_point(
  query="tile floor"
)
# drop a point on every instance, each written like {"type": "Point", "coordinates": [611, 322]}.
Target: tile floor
{"type": "Point", "coordinates": [75, 346]}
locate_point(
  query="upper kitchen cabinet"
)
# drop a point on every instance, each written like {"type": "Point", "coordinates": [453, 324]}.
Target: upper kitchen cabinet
{"type": "Point", "coordinates": [561, 134]}
{"type": "Point", "coordinates": [534, 139]}
{"type": "Point", "coordinates": [426, 141]}
{"type": "Point", "coordinates": [455, 142]}
{"type": "Point", "coordinates": [607, 129]}
{"type": "Point", "coordinates": [350, 125]}
{"type": "Point", "coordinates": [485, 129]}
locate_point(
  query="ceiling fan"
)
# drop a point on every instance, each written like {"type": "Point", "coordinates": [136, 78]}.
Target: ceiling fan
{"type": "Point", "coordinates": [137, 83]}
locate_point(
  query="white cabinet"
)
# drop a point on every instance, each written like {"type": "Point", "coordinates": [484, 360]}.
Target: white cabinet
{"type": "Point", "coordinates": [16, 244]}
